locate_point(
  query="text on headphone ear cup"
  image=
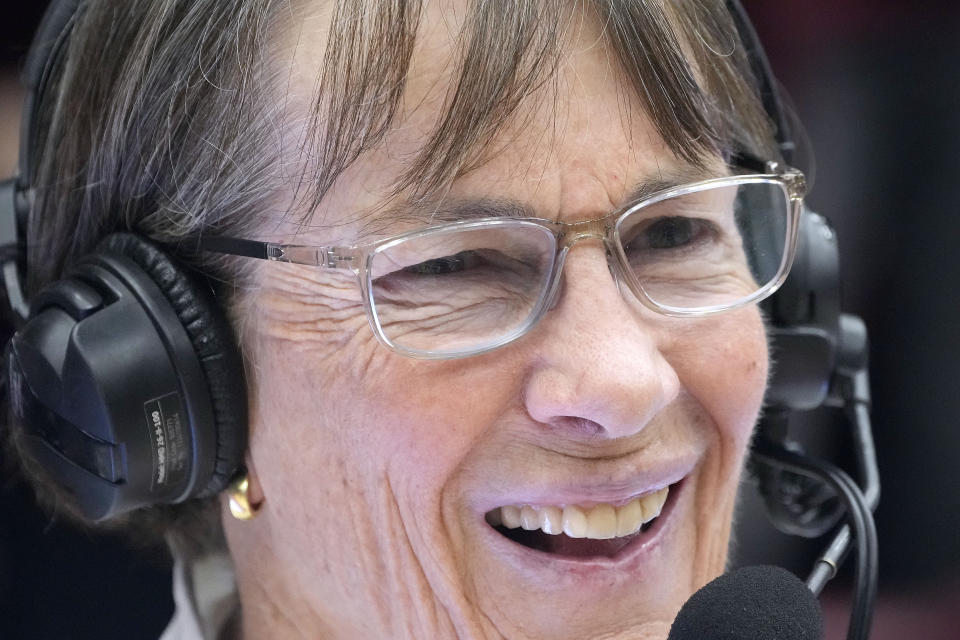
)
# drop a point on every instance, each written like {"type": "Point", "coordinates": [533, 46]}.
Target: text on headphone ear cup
{"type": "Point", "coordinates": [213, 342]}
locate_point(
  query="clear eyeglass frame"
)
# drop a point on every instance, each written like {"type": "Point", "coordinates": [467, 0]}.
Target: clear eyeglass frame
{"type": "Point", "coordinates": [359, 258]}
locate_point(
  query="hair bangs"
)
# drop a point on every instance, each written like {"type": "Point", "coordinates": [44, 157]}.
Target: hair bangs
{"type": "Point", "coordinates": [683, 61]}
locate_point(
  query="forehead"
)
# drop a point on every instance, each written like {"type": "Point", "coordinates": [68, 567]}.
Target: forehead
{"type": "Point", "coordinates": [577, 132]}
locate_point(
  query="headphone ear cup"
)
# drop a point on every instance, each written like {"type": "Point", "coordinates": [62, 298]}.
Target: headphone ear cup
{"type": "Point", "coordinates": [804, 316]}
{"type": "Point", "coordinates": [213, 342]}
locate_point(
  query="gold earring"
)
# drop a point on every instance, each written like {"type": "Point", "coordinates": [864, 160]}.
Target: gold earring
{"type": "Point", "coordinates": [239, 494]}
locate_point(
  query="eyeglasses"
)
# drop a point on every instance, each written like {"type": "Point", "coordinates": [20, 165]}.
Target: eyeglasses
{"type": "Point", "coordinates": [465, 288]}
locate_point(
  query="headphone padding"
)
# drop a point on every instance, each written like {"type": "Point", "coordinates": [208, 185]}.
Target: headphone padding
{"type": "Point", "coordinates": [214, 344]}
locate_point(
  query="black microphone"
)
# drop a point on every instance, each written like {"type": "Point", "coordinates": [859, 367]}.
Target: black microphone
{"type": "Point", "coordinates": [752, 603]}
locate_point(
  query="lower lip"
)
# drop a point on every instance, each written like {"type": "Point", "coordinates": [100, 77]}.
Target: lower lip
{"type": "Point", "coordinates": [627, 560]}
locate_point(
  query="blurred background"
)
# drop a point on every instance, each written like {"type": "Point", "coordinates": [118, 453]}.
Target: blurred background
{"type": "Point", "coordinates": [876, 85]}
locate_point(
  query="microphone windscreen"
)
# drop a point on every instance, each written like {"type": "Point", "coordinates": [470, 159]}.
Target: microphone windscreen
{"type": "Point", "coordinates": [752, 603]}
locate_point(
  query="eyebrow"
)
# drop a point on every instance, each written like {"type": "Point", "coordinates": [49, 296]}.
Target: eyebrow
{"type": "Point", "coordinates": [676, 178]}
{"type": "Point", "coordinates": [430, 212]}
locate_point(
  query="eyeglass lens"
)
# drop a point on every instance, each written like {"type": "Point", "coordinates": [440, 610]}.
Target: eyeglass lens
{"type": "Point", "coordinates": [457, 290]}
{"type": "Point", "coordinates": [708, 249]}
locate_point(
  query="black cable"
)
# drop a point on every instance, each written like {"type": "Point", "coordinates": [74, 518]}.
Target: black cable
{"type": "Point", "coordinates": [857, 407]}
{"type": "Point", "coordinates": [861, 521]}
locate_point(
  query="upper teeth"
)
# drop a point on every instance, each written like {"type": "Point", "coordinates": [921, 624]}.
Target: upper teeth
{"type": "Point", "coordinates": [600, 522]}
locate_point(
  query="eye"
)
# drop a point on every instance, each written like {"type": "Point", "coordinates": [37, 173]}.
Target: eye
{"type": "Point", "coordinates": [446, 264]}
{"type": "Point", "coordinates": [672, 232]}
{"type": "Point", "coordinates": [671, 238]}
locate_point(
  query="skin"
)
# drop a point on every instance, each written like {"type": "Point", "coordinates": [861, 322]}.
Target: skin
{"type": "Point", "coordinates": [373, 471]}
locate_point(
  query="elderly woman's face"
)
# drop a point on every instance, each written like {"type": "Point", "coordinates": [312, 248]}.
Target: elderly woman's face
{"type": "Point", "coordinates": [380, 473]}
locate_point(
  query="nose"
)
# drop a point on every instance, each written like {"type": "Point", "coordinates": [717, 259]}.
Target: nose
{"type": "Point", "coordinates": [599, 370]}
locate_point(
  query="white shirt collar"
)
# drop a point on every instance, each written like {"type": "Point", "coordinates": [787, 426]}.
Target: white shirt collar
{"type": "Point", "coordinates": [204, 596]}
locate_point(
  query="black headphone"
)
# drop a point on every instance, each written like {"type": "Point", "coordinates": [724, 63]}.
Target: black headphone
{"type": "Point", "coordinates": [128, 380]}
{"type": "Point", "coordinates": [125, 374]}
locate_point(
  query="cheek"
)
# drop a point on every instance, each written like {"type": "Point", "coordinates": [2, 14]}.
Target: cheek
{"type": "Point", "coordinates": [335, 406]}
{"type": "Point", "coordinates": [427, 417]}
{"type": "Point", "coordinates": [725, 369]}
{"type": "Point", "coordinates": [724, 364]}
{"type": "Point", "coordinates": [353, 441]}
{"type": "Point", "coordinates": [302, 440]}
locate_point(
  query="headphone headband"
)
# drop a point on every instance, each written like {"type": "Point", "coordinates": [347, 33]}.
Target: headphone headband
{"type": "Point", "coordinates": [52, 36]}
{"type": "Point", "coordinates": [16, 194]}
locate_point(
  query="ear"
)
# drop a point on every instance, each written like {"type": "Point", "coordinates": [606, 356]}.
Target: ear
{"type": "Point", "coordinates": [254, 490]}
{"type": "Point", "coordinates": [244, 497]}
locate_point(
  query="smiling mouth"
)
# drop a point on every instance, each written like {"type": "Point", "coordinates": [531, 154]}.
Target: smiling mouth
{"type": "Point", "coordinates": [601, 529]}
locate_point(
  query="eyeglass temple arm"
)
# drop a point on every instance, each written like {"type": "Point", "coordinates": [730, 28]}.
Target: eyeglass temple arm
{"type": "Point", "coordinates": [795, 180]}
{"type": "Point", "coordinates": [326, 257]}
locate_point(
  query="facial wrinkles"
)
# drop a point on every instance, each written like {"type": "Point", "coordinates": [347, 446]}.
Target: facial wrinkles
{"type": "Point", "coordinates": [406, 599]}
{"type": "Point", "coordinates": [716, 496]}
{"type": "Point", "coordinates": [295, 294]}
{"type": "Point", "coordinates": [319, 314]}
{"type": "Point", "coordinates": [305, 322]}
{"type": "Point", "coordinates": [361, 512]}
{"type": "Point", "coordinates": [430, 553]}
{"type": "Point", "coordinates": [406, 554]}
{"type": "Point", "coordinates": [398, 564]}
